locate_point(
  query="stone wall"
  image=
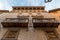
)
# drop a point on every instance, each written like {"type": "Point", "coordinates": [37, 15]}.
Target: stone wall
{"type": "Point", "coordinates": [7, 15]}
{"type": "Point", "coordinates": [56, 15]}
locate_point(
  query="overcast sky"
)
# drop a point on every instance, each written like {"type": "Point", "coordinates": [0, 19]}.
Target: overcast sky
{"type": "Point", "coordinates": [7, 4]}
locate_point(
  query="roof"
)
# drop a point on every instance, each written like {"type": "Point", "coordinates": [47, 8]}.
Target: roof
{"type": "Point", "coordinates": [54, 10]}
{"type": "Point", "coordinates": [4, 10]}
{"type": "Point", "coordinates": [28, 6]}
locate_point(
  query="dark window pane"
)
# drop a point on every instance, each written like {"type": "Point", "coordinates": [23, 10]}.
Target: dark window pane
{"type": "Point", "coordinates": [38, 8]}
{"type": "Point", "coordinates": [22, 8]}
{"type": "Point", "coordinates": [34, 8]}
{"type": "Point", "coordinates": [18, 8]}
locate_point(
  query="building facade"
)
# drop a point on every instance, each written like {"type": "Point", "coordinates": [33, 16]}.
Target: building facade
{"type": "Point", "coordinates": [28, 9]}
{"type": "Point", "coordinates": [55, 13]}
{"type": "Point", "coordinates": [29, 23]}
{"type": "Point", "coordinates": [4, 11]}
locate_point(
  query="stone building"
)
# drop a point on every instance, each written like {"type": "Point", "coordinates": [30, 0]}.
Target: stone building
{"type": "Point", "coordinates": [55, 13]}
{"type": "Point", "coordinates": [45, 23]}
{"type": "Point", "coordinates": [4, 11]}
{"type": "Point", "coordinates": [28, 9]}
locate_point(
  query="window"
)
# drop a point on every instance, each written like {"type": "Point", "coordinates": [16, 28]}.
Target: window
{"type": "Point", "coordinates": [22, 8]}
{"type": "Point", "coordinates": [38, 8]}
{"type": "Point", "coordinates": [14, 8]}
{"type": "Point", "coordinates": [26, 8]}
{"type": "Point", "coordinates": [18, 8]}
{"type": "Point", "coordinates": [42, 8]}
{"type": "Point", "coordinates": [34, 8]}
{"type": "Point", "coordinates": [30, 8]}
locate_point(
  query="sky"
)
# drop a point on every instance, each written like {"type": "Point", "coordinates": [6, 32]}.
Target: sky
{"type": "Point", "coordinates": [7, 4]}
